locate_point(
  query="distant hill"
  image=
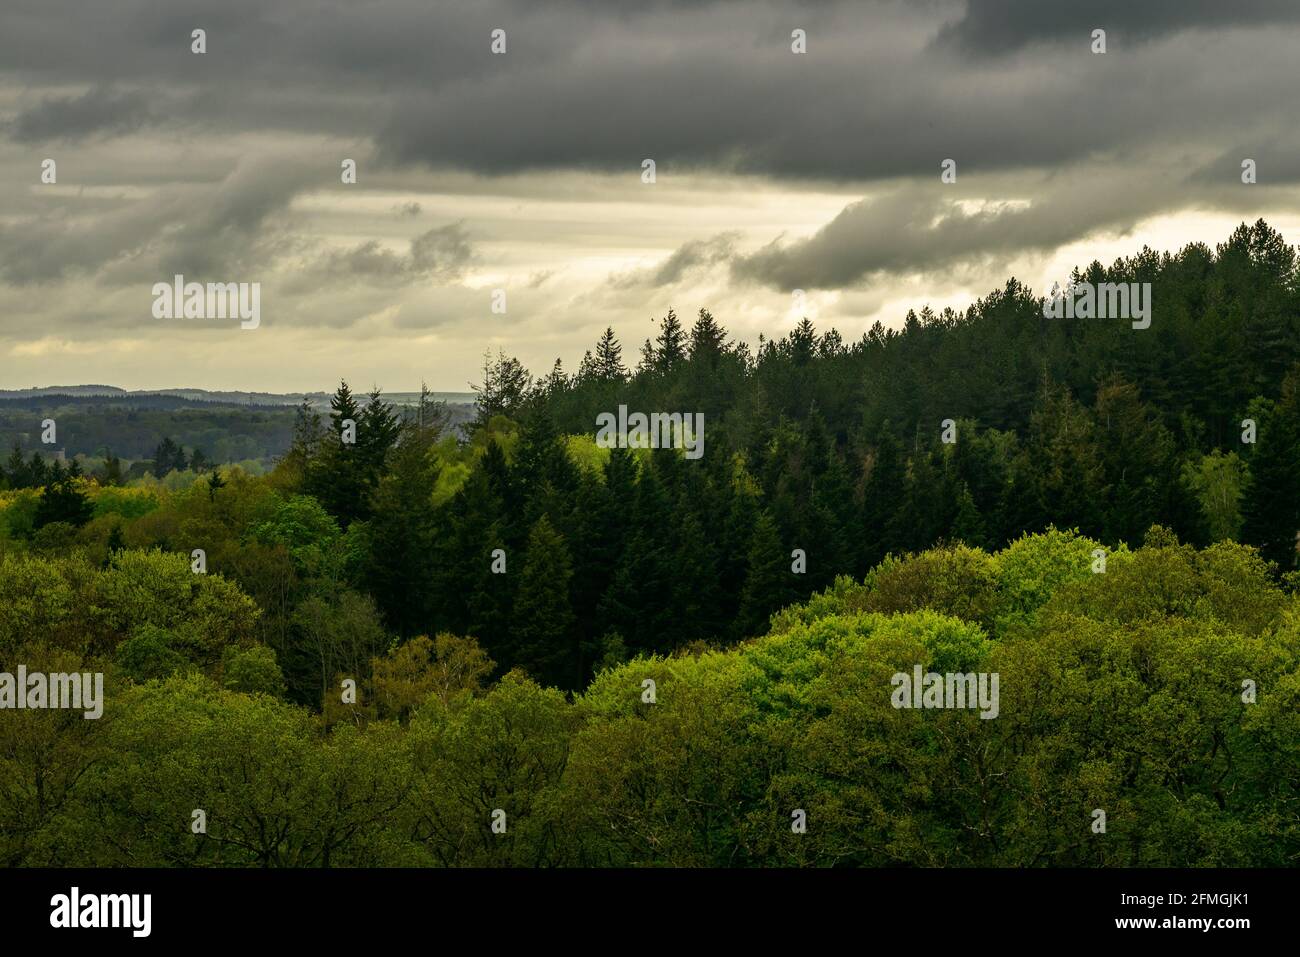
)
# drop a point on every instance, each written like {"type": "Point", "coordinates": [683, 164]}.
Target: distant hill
{"type": "Point", "coordinates": [318, 399]}
{"type": "Point", "coordinates": [227, 426]}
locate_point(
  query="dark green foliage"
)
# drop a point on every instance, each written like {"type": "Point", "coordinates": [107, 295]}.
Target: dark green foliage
{"type": "Point", "coordinates": [62, 501]}
{"type": "Point", "coordinates": [542, 635]}
{"type": "Point", "coordinates": [169, 456]}
{"type": "Point", "coordinates": [1272, 501]}
{"type": "Point", "coordinates": [402, 536]}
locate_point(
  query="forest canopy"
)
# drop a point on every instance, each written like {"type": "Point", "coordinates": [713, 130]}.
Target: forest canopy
{"type": "Point", "coordinates": [406, 626]}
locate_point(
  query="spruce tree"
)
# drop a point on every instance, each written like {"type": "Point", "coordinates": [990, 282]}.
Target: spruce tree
{"type": "Point", "coordinates": [883, 497]}
{"type": "Point", "coordinates": [609, 358]}
{"type": "Point", "coordinates": [707, 339]}
{"type": "Point", "coordinates": [338, 476]}
{"type": "Point", "coordinates": [543, 634]}
{"type": "Point", "coordinates": [769, 581]}
{"type": "Point", "coordinates": [16, 472]}
{"type": "Point", "coordinates": [401, 537]}
{"type": "Point", "coordinates": [1272, 500]}
{"type": "Point", "coordinates": [670, 348]}
{"type": "Point", "coordinates": [62, 501]}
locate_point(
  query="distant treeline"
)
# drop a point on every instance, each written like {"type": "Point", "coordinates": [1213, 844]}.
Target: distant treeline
{"type": "Point", "coordinates": [130, 427]}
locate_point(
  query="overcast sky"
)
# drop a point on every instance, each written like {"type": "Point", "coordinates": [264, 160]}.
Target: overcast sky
{"type": "Point", "coordinates": [522, 171]}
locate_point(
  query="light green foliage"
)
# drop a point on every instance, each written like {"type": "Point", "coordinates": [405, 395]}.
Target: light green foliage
{"type": "Point", "coordinates": [45, 757]}
{"type": "Point", "coordinates": [205, 612]}
{"type": "Point", "coordinates": [18, 512]}
{"type": "Point", "coordinates": [1218, 481]}
{"type": "Point", "coordinates": [309, 533]}
{"type": "Point", "coordinates": [1121, 690]}
{"type": "Point", "coordinates": [455, 462]}
{"type": "Point", "coordinates": [1031, 568]}
{"type": "Point", "coordinates": [130, 503]}
{"type": "Point", "coordinates": [959, 581]}
{"type": "Point", "coordinates": [585, 453]}
{"type": "Point", "coordinates": [252, 670]}
{"type": "Point", "coordinates": [506, 750]}
{"type": "Point", "coordinates": [1225, 583]}
{"type": "Point", "coordinates": [44, 598]}
{"type": "Point", "coordinates": [273, 794]}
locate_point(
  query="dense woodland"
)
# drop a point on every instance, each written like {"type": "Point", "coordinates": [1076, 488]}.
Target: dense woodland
{"type": "Point", "coordinates": [131, 427]}
{"type": "Point", "coordinates": [499, 592]}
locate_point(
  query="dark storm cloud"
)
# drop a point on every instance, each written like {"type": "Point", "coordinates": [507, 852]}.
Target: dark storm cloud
{"type": "Point", "coordinates": [235, 225]}
{"type": "Point", "coordinates": [997, 27]}
{"type": "Point", "coordinates": [98, 111]}
{"type": "Point", "coordinates": [886, 91]}
{"type": "Point", "coordinates": [706, 84]}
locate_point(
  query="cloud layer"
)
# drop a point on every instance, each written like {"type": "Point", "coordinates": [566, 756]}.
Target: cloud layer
{"type": "Point", "coordinates": [522, 171]}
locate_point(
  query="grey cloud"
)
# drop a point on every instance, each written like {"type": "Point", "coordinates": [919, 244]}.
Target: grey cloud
{"type": "Point", "coordinates": [234, 225]}
{"type": "Point", "coordinates": [690, 256]}
{"type": "Point", "coordinates": [238, 228]}
{"type": "Point", "coordinates": [870, 100]}
{"type": "Point", "coordinates": [99, 111]}
{"type": "Point", "coordinates": [918, 229]}
{"type": "Point", "coordinates": [693, 85]}
{"type": "Point", "coordinates": [1277, 162]}
{"type": "Point", "coordinates": [992, 28]}
{"type": "Point", "coordinates": [440, 255]}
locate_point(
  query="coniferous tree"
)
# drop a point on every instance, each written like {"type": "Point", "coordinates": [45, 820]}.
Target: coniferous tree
{"type": "Point", "coordinates": [543, 634]}
{"type": "Point", "coordinates": [707, 339]}
{"type": "Point", "coordinates": [16, 472]}
{"type": "Point", "coordinates": [1272, 501]}
{"type": "Point", "coordinates": [215, 484]}
{"type": "Point", "coordinates": [306, 443]}
{"type": "Point", "coordinates": [475, 588]}
{"type": "Point", "coordinates": [38, 473]}
{"type": "Point", "coordinates": [111, 474]}
{"type": "Point", "coordinates": [609, 358]}
{"type": "Point", "coordinates": [168, 457]}
{"type": "Point", "coordinates": [768, 581]}
{"type": "Point", "coordinates": [883, 497]}
{"type": "Point", "coordinates": [62, 501]}
{"type": "Point", "coordinates": [338, 476]}
{"type": "Point", "coordinates": [968, 526]}
{"type": "Point", "coordinates": [401, 536]}
{"type": "Point", "coordinates": [378, 430]}
{"type": "Point", "coordinates": [637, 604]}
{"type": "Point", "coordinates": [670, 344]}
{"type": "Point", "coordinates": [505, 388]}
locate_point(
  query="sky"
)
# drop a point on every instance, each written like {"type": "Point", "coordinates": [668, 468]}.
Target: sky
{"type": "Point", "coordinates": [780, 177]}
